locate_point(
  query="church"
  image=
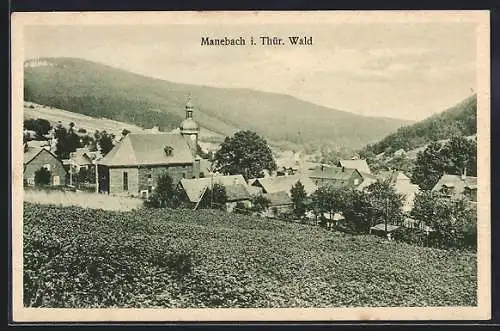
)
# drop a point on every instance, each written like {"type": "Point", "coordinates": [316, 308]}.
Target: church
{"type": "Point", "coordinates": [133, 166]}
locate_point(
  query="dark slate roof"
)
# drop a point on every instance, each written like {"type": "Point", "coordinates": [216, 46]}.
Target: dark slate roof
{"type": "Point", "coordinates": [149, 149]}
{"type": "Point", "coordinates": [334, 173]}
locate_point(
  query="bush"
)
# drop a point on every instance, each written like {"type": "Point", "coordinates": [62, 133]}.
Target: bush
{"type": "Point", "coordinates": [454, 221]}
{"type": "Point", "coordinates": [42, 177]}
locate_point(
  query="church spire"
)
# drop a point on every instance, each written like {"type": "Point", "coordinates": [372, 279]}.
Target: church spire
{"type": "Point", "coordinates": [189, 107]}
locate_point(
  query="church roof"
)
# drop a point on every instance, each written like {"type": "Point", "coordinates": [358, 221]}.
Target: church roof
{"type": "Point", "coordinates": [149, 149]}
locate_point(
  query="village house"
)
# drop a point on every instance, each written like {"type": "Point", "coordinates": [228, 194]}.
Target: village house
{"type": "Point", "coordinates": [335, 176]}
{"type": "Point", "coordinates": [134, 165]}
{"type": "Point", "coordinates": [358, 164]}
{"type": "Point", "coordinates": [236, 188]}
{"type": "Point", "coordinates": [457, 186]}
{"type": "Point", "coordinates": [402, 185]}
{"type": "Point", "coordinates": [36, 158]}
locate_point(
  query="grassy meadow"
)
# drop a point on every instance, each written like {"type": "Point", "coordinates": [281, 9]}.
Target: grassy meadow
{"type": "Point", "coordinates": [76, 257]}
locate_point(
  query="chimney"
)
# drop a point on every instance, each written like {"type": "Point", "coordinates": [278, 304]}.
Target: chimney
{"type": "Point", "coordinates": [464, 174]}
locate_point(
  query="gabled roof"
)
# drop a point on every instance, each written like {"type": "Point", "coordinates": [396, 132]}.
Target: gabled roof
{"type": "Point", "coordinates": [149, 149]}
{"type": "Point", "coordinates": [331, 172]}
{"type": "Point", "coordinates": [392, 176]}
{"type": "Point", "coordinates": [195, 187]}
{"type": "Point", "coordinates": [32, 152]}
{"type": "Point", "coordinates": [278, 198]}
{"type": "Point", "coordinates": [360, 165]}
{"type": "Point", "coordinates": [285, 183]}
{"type": "Point", "coordinates": [457, 182]}
{"type": "Point", "coordinates": [80, 157]}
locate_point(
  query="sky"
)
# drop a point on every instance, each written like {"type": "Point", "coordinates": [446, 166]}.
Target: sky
{"type": "Point", "coordinates": [399, 70]}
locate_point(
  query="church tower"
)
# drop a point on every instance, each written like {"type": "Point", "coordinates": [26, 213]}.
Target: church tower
{"type": "Point", "coordinates": [189, 128]}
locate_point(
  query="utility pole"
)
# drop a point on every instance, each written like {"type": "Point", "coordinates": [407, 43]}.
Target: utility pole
{"type": "Point", "coordinates": [386, 214]}
{"type": "Point", "coordinates": [96, 178]}
{"type": "Point", "coordinates": [70, 173]}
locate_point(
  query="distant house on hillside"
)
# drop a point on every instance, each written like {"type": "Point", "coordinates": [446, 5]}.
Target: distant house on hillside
{"type": "Point", "coordinates": [357, 164]}
{"type": "Point", "coordinates": [134, 165]}
{"type": "Point", "coordinates": [457, 186]}
{"type": "Point", "coordinates": [336, 176]}
{"type": "Point", "coordinates": [36, 158]}
{"type": "Point", "coordinates": [237, 189]}
{"type": "Point", "coordinates": [402, 184]}
{"type": "Point", "coordinates": [276, 184]}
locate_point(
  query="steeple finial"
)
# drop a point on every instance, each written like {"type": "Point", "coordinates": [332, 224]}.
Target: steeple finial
{"type": "Point", "coordinates": [189, 107]}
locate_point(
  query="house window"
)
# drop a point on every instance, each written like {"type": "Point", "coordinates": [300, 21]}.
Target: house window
{"type": "Point", "coordinates": [168, 151]}
{"type": "Point", "coordinates": [47, 166]}
{"type": "Point", "coordinates": [356, 181]}
{"type": "Point", "coordinates": [445, 190]}
{"type": "Point", "coordinates": [125, 181]}
{"type": "Point", "coordinates": [183, 175]}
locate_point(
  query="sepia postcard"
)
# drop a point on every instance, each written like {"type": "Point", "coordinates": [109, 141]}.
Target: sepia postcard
{"type": "Point", "coordinates": [250, 166]}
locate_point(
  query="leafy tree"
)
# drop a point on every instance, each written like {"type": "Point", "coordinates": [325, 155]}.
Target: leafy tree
{"type": "Point", "coordinates": [358, 210]}
{"type": "Point", "coordinates": [86, 175]}
{"type": "Point", "coordinates": [328, 199]}
{"type": "Point", "coordinates": [453, 157]}
{"type": "Point", "coordinates": [260, 203]}
{"type": "Point", "coordinates": [299, 196]}
{"type": "Point", "coordinates": [429, 166]}
{"type": "Point", "coordinates": [454, 221]}
{"type": "Point", "coordinates": [89, 142]}
{"type": "Point", "coordinates": [105, 141]}
{"type": "Point", "coordinates": [40, 126]}
{"type": "Point", "coordinates": [164, 194]}
{"type": "Point", "coordinates": [386, 203]}
{"type": "Point", "coordinates": [245, 153]}
{"type": "Point", "coordinates": [460, 153]}
{"type": "Point", "coordinates": [42, 177]}
{"type": "Point", "coordinates": [214, 198]}
{"type": "Point", "coordinates": [67, 141]}
{"type": "Point", "coordinates": [379, 202]}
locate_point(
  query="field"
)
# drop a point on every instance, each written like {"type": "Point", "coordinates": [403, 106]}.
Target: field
{"type": "Point", "coordinates": [82, 199]}
{"type": "Point", "coordinates": [75, 257]}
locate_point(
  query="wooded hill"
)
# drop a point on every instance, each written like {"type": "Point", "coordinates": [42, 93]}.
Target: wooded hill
{"type": "Point", "coordinates": [459, 120]}
{"type": "Point", "coordinates": [98, 90]}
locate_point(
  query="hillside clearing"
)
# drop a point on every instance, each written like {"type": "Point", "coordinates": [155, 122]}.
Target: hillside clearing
{"type": "Point", "coordinates": [75, 257]}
